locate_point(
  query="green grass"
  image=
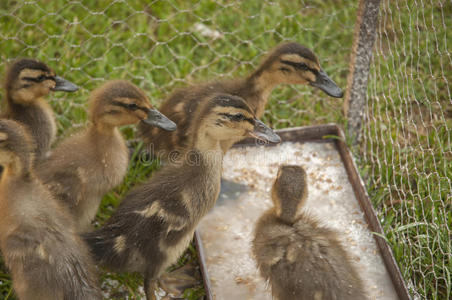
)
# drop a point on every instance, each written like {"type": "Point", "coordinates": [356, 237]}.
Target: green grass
{"type": "Point", "coordinates": [156, 47]}
{"type": "Point", "coordinates": [408, 154]}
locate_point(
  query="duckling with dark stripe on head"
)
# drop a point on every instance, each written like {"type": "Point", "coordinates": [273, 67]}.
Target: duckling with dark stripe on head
{"type": "Point", "coordinates": [155, 222]}
{"type": "Point", "coordinates": [85, 166]}
{"type": "Point", "coordinates": [288, 63]}
{"type": "Point", "coordinates": [27, 82]}
{"type": "Point", "coordinates": [47, 258]}
{"type": "Point", "coordinates": [299, 257]}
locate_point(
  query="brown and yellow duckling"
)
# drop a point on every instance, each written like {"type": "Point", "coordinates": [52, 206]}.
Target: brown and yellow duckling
{"type": "Point", "coordinates": [85, 166]}
{"type": "Point", "coordinates": [155, 222]}
{"type": "Point", "coordinates": [300, 258]}
{"type": "Point", "coordinates": [38, 240]}
{"type": "Point", "coordinates": [289, 63]}
{"type": "Point", "coordinates": [27, 82]}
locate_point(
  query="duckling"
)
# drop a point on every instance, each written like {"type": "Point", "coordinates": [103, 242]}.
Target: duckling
{"type": "Point", "coordinates": [47, 259]}
{"type": "Point", "coordinates": [85, 166]}
{"type": "Point", "coordinates": [300, 258]}
{"type": "Point", "coordinates": [155, 222]}
{"type": "Point", "coordinates": [289, 63]}
{"type": "Point", "coordinates": [27, 82]}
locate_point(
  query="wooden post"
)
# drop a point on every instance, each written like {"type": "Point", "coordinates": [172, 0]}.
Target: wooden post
{"type": "Point", "coordinates": [363, 42]}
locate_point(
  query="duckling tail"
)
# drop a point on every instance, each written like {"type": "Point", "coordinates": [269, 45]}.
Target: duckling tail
{"type": "Point", "coordinates": [100, 246]}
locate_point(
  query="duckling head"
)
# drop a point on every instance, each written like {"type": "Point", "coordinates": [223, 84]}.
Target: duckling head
{"type": "Point", "coordinates": [292, 63]}
{"type": "Point", "coordinates": [119, 102]}
{"type": "Point", "coordinates": [29, 79]}
{"type": "Point", "coordinates": [289, 191]}
{"type": "Point", "coordinates": [228, 117]}
{"type": "Point", "coordinates": [16, 147]}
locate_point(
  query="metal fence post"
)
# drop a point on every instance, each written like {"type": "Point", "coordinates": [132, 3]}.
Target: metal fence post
{"type": "Point", "coordinates": [363, 41]}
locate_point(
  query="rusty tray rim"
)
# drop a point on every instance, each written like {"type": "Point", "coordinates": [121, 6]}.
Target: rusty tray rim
{"type": "Point", "coordinates": [329, 133]}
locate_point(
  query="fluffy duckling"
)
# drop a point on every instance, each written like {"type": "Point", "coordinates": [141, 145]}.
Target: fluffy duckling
{"type": "Point", "coordinates": [47, 259]}
{"type": "Point", "coordinates": [85, 166]}
{"type": "Point", "coordinates": [155, 222]}
{"type": "Point", "coordinates": [301, 258]}
{"type": "Point", "coordinates": [289, 63]}
{"type": "Point", "coordinates": [27, 82]}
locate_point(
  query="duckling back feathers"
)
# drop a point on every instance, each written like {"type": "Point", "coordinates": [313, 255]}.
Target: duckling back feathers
{"type": "Point", "coordinates": [304, 260]}
{"type": "Point", "coordinates": [300, 258]}
{"type": "Point", "coordinates": [82, 169]}
{"type": "Point", "coordinates": [40, 246]}
{"type": "Point", "coordinates": [156, 216]}
{"type": "Point", "coordinates": [46, 258]}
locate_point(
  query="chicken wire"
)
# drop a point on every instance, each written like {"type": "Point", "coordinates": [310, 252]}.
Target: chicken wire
{"type": "Point", "coordinates": [408, 139]}
{"type": "Point", "coordinates": [160, 45]}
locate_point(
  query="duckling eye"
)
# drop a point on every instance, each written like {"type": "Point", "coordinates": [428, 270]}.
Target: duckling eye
{"type": "Point", "coordinates": [285, 70]}
{"type": "Point", "coordinates": [132, 106]}
{"type": "Point", "coordinates": [296, 65]}
{"type": "Point", "coordinates": [35, 79]}
{"type": "Point", "coordinates": [303, 66]}
{"type": "Point", "coordinates": [239, 116]}
{"type": "Point", "coordinates": [235, 118]}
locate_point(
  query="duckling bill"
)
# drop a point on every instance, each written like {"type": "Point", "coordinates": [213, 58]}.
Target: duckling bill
{"type": "Point", "coordinates": [63, 85]}
{"type": "Point", "coordinates": [326, 84]}
{"type": "Point", "coordinates": [155, 221]}
{"type": "Point", "coordinates": [85, 166]}
{"type": "Point", "coordinates": [300, 258]}
{"type": "Point", "coordinates": [27, 82]}
{"type": "Point", "coordinates": [38, 240]}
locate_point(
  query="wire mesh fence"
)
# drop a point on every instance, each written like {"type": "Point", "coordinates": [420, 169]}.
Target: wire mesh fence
{"type": "Point", "coordinates": [408, 139]}
{"type": "Point", "coordinates": [164, 44]}
{"type": "Point", "coordinates": [160, 45]}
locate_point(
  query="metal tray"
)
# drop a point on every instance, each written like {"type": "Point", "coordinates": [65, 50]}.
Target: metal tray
{"type": "Point", "coordinates": [329, 133]}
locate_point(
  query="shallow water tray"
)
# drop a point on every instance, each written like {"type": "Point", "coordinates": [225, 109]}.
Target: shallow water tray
{"type": "Point", "coordinates": [337, 196]}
